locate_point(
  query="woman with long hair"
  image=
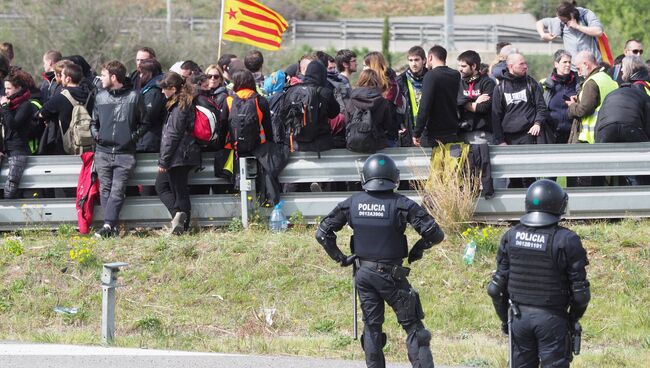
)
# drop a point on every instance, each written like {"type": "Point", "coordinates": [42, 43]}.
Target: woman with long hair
{"type": "Point", "coordinates": [17, 114]}
{"type": "Point", "coordinates": [368, 96]}
{"type": "Point", "coordinates": [179, 152]}
{"type": "Point", "coordinates": [390, 90]}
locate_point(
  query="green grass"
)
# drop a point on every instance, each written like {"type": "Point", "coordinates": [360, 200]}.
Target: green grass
{"type": "Point", "coordinates": [209, 292]}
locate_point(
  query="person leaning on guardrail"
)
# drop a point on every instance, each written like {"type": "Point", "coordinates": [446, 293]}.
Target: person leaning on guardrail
{"type": "Point", "coordinates": [179, 151]}
{"type": "Point", "coordinates": [16, 119]}
{"type": "Point", "coordinates": [119, 120]}
{"type": "Point", "coordinates": [411, 87]}
{"type": "Point", "coordinates": [625, 114]}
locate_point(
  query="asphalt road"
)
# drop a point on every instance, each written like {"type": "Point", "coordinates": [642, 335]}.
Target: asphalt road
{"type": "Point", "coordinates": [19, 355]}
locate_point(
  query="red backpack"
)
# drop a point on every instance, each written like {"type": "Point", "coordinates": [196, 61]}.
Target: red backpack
{"type": "Point", "coordinates": [206, 119]}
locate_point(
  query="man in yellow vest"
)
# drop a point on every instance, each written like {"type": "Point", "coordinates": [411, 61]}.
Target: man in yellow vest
{"type": "Point", "coordinates": [597, 85]}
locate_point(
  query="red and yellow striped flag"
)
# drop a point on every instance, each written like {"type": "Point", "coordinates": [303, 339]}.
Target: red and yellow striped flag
{"type": "Point", "coordinates": [252, 23]}
{"type": "Point", "coordinates": [605, 50]}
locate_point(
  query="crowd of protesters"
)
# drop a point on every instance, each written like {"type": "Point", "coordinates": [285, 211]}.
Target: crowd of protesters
{"type": "Point", "coordinates": [313, 105]}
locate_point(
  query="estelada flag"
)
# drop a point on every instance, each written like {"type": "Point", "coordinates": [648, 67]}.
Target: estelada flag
{"type": "Point", "coordinates": [605, 50]}
{"type": "Point", "coordinates": [252, 23]}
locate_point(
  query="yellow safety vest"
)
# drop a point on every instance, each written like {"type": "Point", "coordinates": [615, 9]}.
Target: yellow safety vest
{"type": "Point", "coordinates": [605, 85]}
{"type": "Point", "coordinates": [415, 104]}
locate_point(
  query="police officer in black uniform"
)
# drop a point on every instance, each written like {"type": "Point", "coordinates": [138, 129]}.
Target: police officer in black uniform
{"type": "Point", "coordinates": [541, 274]}
{"type": "Point", "coordinates": [378, 217]}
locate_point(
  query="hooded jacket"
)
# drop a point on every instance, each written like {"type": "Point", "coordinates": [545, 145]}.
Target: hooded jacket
{"type": "Point", "coordinates": [154, 102]}
{"type": "Point", "coordinates": [470, 89]}
{"type": "Point", "coordinates": [178, 146]}
{"type": "Point", "coordinates": [517, 104]}
{"type": "Point", "coordinates": [370, 98]}
{"type": "Point", "coordinates": [119, 119]}
{"type": "Point", "coordinates": [626, 105]}
{"type": "Point", "coordinates": [58, 108]}
{"type": "Point", "coordinates": [555, 87]}
{"type": "Point", "coordinates": [16, 118]}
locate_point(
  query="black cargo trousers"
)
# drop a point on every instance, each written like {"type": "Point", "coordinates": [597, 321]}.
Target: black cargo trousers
{"type": "Point", "coordinates": [541, 335]}
{"type": "Point", "coordinates": [376, 285]}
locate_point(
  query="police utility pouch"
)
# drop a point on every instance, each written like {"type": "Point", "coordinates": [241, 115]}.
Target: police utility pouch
{"type": "Point", "coordinates": [400, 273]}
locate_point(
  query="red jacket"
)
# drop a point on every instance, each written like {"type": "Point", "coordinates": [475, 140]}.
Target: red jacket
{"type": "Point", "coordinates": [87, 192]}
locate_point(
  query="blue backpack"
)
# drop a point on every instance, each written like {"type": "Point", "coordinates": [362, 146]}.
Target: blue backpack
{"type": "Point", "coordinates": [274, 83]}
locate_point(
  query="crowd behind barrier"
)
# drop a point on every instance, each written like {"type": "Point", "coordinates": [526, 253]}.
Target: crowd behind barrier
{"type": "Point", "coordinates": [147, 132]}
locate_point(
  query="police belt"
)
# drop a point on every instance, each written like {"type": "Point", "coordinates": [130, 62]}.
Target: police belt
{"type": "Point", "coordinates": [384, 267]}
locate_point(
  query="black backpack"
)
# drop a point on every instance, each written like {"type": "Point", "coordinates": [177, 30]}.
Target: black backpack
{"type": "Point", "coordinates": [244, 123]}
{"type": "Point", "coordinates": [302, 112]}
{"type": "Point", "coordinates": [360, 134]}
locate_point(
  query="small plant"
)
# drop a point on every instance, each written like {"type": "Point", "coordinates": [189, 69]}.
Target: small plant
{"type": "Point", "coordinates": [297, 219]}
{"type": "Point", "coordinates": [235, 225]}
{"type": "Point", "coordinates": [66, 230]}
{"type": "Point", "coordinates": [323, 326]}
{"type": "Point", "coordinates": [81, 250]}
{"type": "Point", "coordinates": [13, 245]}
{"type": "Point", "coordinates": [486, 239]}
{"type": "Point", "coordinates": [189, 251]}
{"type": "Point", "coordinates": [149, 324]}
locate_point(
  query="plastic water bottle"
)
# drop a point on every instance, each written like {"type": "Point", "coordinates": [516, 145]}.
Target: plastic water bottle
{"type": "Point", "coordinates": [470, 252]}
{"type": "Point", "coordinates": [278, 222]}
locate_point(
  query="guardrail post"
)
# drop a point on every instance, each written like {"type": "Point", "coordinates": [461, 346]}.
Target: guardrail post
{"type": "Point", "coordinates": [109, 283]}
{"type": "Point", "coordinates": [247, 175]}
{"type": "Point", "coordinates": [344, 34]}
{"type": "Point", "coordinates": [293, 33]}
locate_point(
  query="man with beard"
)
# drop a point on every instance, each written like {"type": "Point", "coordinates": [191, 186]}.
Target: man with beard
{"type": "Point", "coordinates": [411, 85]}
{"type": "Point", "coordinates": [474, 100]}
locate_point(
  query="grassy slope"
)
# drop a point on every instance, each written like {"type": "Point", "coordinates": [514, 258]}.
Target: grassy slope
{"type": "Point", "coordinates": [207, 292]}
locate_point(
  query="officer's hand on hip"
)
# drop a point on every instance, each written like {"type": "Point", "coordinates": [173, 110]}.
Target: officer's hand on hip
{"type": "Point", "coordinates": [349, 260]}
{"type": "Point", "coordinates": [415, 254]}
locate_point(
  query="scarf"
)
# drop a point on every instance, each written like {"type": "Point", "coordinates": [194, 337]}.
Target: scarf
{"type": "Point", "coordinates": [17, 99]}
{"type": "Point", "coordinates": [416, 81]}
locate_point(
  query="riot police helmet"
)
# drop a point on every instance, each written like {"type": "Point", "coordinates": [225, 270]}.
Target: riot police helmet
{"type": "Point", "coordinates": [546, 202]}
{"type": "Point", "coordinates": [379, 173]}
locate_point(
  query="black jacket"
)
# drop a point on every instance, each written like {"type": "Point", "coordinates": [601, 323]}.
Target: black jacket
{"type": "Point", "coordinates": [625, 105]}
{"type": "Point", "coordinates": [469, 91]}
{"type": "Point", "coordinates": [154, 102]}
{"type": "Point", "coordinates": [119, 119]}
{"type": "Point", "coordinates": [47, 86]}
{"type": "Point", "coordinates": [15, 127]}
{"type": "Point", "coordinates": [59, 109]}
{"type": "Point", "coordinates": [178, 146]}
{"type": "Point", "coordinates": [368, 98]}
{"type": "Point", "coordinates": [408, 122]}
{"type": "Point", "coordinates": [555, 87]}
{"type": "Point", "coordinates": [438, 115]}
{"type": "Point", "coordinates": [517, 103]}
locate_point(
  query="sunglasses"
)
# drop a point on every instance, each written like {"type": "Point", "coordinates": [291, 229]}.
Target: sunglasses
{"type": "Point", "coordinates": [637, 52]}
{"type": "Point", "coordinates": [214, 76]}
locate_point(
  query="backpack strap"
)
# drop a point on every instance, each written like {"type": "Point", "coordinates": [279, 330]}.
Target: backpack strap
{"type": "Point", "coordinates": [69, 97]}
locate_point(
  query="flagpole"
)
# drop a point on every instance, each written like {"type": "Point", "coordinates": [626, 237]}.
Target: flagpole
{"type": "Point", "coordinates": [220, 29]}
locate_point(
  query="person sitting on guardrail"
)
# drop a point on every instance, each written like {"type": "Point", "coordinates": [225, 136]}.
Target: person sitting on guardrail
{"type": "Point", "coordinates": [16, 121]}
{"type": "Point", "coordinates": [119, 120]}
{"type": "Point", "coordinates": [179, 151]}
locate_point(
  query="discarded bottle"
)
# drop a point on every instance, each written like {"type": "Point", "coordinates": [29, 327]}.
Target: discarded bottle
{"type": "Point", "coordinates": [278, 222]}
{"type": "Point", "coordinates": [470, 252]}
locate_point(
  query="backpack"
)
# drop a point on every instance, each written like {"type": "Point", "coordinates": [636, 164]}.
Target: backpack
{"type": "Point", "coordinates": [77, 139]}
{"type": "Point", "coordinates": [206, 118]}
{"type": "Point", "coordinates": [302, 112]}
{"type": "Point", "coordinates": [360, 134]}
{"type": "Point", "coordinates": [245, 123]}
{"type": "Point", "coordinates": [36, 129]}
{"type": "Point", "coordinates": [274, 83]}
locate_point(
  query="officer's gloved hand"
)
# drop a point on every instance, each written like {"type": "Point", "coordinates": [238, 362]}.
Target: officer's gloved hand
{"type": "Point", "coordinates": [504, 328]}
{"type": "Point", "coordinates": [415, 254]}
{"type": "Point", "coordinates": [349, 260]}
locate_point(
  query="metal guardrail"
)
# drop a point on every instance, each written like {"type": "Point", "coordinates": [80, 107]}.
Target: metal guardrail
{"type": "Point", "coordinates": [342, 166]}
